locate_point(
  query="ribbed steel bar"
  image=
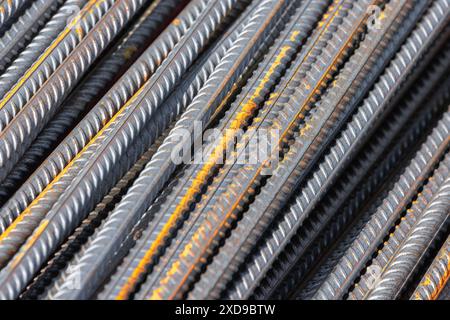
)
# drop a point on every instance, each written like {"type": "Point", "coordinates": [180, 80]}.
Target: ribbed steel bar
{"type": "Point", "coordinates": [97, 82]}
{"type": "Point", "coordinates": [259, 85]}
{"type": "Point", "coordinates": [237, 119]}
{"type": "Point", "coordinates": [27, 120]}
{"type": "Point", "coordinates": [201, 109]}
{"type": "Point", "coordinates": [106, 157]}
{"type": "Point", "coordinates": [378, 181]}
{"type": "Point", "coordinates": [346, 146]}
{"type": "Point", "coordinates": [436, 276]}
{"type": "Point", "coordinates": [334, 228]}
{"type": "Point", "coordinates": [23, 31]}
{"type": "Point", "coordinates": [367, 238]}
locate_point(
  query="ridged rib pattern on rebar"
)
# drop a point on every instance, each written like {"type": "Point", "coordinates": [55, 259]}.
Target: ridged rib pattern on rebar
{"type": "Point", "coordinates": [436, 277]}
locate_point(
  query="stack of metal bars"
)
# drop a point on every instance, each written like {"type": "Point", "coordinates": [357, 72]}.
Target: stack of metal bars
{"type": "Point", "coordinates": [112, 185]}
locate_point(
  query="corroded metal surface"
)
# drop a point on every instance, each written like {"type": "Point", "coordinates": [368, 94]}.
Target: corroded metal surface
{"type": "Point", "coordinates": [106, 194]}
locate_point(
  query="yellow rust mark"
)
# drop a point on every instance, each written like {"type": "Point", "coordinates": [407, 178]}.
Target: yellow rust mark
{"type": "Point", "coordinates": [176, 22]}
{"type": "Point", "coordinates": [294, 36]}
{"type": "Point", "coordinates": [427, 281]}
{"type": "Point", "coordinates": [79, 31]}
{"type": "Point", "coordinates": [47, 53]}
{"type": "Point", "coordinates": [33, 238]}
{"type": "Point", "coordinates": [272, 97]}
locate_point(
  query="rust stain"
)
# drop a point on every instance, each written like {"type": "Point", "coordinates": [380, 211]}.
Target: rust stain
{"type": "Point", "coordinates": [50, 186]}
